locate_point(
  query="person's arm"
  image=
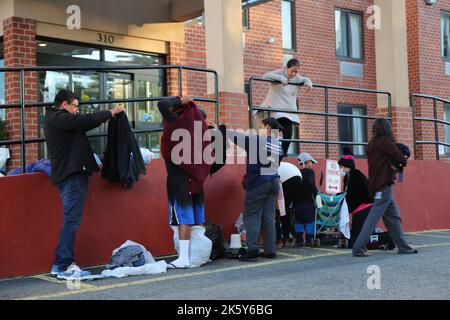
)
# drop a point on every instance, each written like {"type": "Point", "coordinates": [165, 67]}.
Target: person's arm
{"type": "Point", "coordinates": [84, 122]}
{"type": "Point", "coordinates": [165, 106]}
{"type": "Point", "coordinates": [273, 75]}
{"type": "Point", "coordinates": [388, 147]}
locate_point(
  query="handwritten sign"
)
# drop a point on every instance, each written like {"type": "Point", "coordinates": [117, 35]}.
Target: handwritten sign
{"type": "Point", "coordinates": [333, 183]}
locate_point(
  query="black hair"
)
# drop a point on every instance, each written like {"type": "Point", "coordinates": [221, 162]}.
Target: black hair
{"type": "Point", "coordinates": [64, 95]}
{"type": "Point", "coordinates": [293, 63]}
{"type": "Point", "coordinates": [382, 128]}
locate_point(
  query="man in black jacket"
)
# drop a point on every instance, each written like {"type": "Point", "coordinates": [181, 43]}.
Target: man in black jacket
{"type": "Point", "coordinates": [72, 161]}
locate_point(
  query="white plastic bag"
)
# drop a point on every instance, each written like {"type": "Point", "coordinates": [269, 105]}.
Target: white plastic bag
{"type": "Point", "coordinates": [4, 156]}
{"type": "Point", "coordinates": [147, 255]}
{"type": "Point", "coordinates": [147, 155]}
{"type": "Point", "coordinates": [148, 268]}
{"type": "Point", "coordinates": [200, 246]}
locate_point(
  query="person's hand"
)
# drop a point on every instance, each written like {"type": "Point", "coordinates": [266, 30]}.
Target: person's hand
{"type": "Point", "coordinates": [309, 88]}
{"type": "Point", "coordinates": [212, 124]}
{"type": "Point", "coordinates": [116, 110]}
{"type": "Point", "coordinates": [186, 100]}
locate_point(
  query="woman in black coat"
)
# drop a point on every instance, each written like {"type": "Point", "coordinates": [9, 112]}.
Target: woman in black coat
{"type": "Point", "coordinates": [358, 196]}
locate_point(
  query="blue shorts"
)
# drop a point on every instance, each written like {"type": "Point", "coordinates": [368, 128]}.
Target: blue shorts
{"type": "Point", "coordinates": [188, 212]}
{"type": "Point", "coordinates": [308, 227]}
{"type": "Point", "coordinates": [184, 208]}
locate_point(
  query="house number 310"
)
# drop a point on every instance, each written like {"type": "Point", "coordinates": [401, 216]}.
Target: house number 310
{"type": "Point", "coordinates": [105, 38]}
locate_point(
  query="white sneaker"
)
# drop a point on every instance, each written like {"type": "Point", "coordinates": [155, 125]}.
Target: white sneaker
{"type": "Point", "coordinates": [74, 272]}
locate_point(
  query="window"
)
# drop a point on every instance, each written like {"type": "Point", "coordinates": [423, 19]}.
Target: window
{"type": "Point", "coordinates": [349, 34]}
{"type": "Point", "coordinates": [2, 82]}
{"type": "Point", "coordinates": [245, 18]}
{"type": "Point", "coordinates": [92, 85]}
{"type": "Point", "coordinates": [353, 129]}
{"type": "Point", "coordinates": [445, 34]}
{"type": "Point", "coordinates": [447, 127]}
{"type": "Point", "coordinates": [287, 21]}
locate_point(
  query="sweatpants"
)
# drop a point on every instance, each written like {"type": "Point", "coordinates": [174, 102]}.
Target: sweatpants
{"type": "Point", "coordinates": [384, 207]}
{"type": "Point", "coordinates": [259, 214]}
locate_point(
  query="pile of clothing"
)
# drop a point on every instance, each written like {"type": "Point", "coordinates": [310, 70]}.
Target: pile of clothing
{"type": "Point", "coordinates": [42, 165]}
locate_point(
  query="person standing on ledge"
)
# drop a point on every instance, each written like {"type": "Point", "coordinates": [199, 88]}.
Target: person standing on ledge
{"type": "Point", "coordinates": [282, 95]}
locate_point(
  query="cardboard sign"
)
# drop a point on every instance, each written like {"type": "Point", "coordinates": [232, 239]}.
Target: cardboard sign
{"type": "Point", "coordinates": [333, 182]}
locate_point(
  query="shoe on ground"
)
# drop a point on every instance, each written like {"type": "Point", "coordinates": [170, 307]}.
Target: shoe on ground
{"type": "Point", "coordinates": [414, 251]}
{"type": "Point", "coordinates": [73, 272]}
{"type": "Point", "coordinates": [280, 244]}
{"type": "Point", "coordinates": [55, 270]}
{"type": "Point", "coordinates": [249, 256]}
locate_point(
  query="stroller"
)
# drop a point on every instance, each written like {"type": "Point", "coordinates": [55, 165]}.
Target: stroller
{"type": "Point", "coordinates": [327, 217]}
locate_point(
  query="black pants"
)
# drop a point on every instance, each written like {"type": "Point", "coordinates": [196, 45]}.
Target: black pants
{"type": "Point", "coordinates": [287, 133]}
{"type": "Point", "coordinates": [285, 226]}
{"type": "Point", "coordinates": [357, 223]}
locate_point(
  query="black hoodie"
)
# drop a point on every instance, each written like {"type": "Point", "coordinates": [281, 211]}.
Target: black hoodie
{"type": "Point", "coordinates": [69, 149]}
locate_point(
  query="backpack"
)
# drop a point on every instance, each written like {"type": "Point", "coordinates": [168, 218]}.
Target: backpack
{"type": "Point", "coordinates": [215, 233]}
{"type": "Point", "coordinates": [380, 240]}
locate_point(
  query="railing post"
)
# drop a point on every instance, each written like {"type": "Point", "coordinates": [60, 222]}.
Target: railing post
{"type": "Point", "coordinates": [327, 153]}
{"type": "Point", "coordinates": [250, 103]}
{"type": "Point", "coordinates": [180, 81]}
{"type": "Point", "coordinates": [22, 124]}
{"type": "Point", "coordinates": [390, 108]}
{"type": "Point", "coordinates": [411, 103]}
{"type": "Point", "coordinates": [216, 92]}
{"type": "Point", "coordinates": [436, 130]}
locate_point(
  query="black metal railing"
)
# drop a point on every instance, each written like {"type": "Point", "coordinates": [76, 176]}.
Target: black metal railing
{"type": "Point", "coordinates": [435, 121]}
{"type": "Point", "coordinates": [326, 114]}
{"type": "Point", "coordinates": [22, 105]}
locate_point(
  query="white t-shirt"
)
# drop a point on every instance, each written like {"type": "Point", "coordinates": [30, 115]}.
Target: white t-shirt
{"type": "Point", "coordinates": [288, 170]}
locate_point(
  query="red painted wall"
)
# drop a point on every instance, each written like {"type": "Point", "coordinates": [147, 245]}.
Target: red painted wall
{"type": "Point", "coordinates": [30, 213]}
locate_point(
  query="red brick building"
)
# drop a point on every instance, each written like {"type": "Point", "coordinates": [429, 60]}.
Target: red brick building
{"type": "Point", "coordinates": [334, 40]}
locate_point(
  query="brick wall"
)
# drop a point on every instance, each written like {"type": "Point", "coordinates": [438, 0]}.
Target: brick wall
{"type": "Point", "coordinates": [20, 51]}
{"type": "Point", "coordinates": [427, 67]}
{"type": "Point", "coordinates": [315, 47]}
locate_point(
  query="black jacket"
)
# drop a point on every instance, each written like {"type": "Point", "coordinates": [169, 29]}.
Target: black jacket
{"type": "Point", "coordinates": [122, 160]}
{"type": "Point", "coordinates": [307, 189]}
{"type": "Point", "coordinates": [358, 189]}
{"type": "Point", "coordinates": [69, 150]}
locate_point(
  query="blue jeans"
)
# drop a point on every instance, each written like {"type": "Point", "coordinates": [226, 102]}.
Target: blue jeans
{"type": "Point", "coordinates": [73, 192]}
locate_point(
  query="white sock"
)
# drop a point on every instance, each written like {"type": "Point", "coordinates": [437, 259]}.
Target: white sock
{"type": "Point", "coordinates": [184, 251]}
{"type": "Point", "coordinates": [183, 258]}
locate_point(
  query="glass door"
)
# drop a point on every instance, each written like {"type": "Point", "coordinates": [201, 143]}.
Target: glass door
{"type": "Point", "coordinates": [146, 113]}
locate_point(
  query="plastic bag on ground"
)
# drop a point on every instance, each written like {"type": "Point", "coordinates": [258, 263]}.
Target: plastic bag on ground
{"type": "Point", "coordinates": [200, 246]}
{"type": "Point", "coordinates": [147, 255]}
{"type": "Point", "coordinates": [149, 268]}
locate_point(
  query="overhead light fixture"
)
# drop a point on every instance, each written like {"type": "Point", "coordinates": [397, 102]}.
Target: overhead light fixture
{"type": "Point", "coordinates": [42, 44]}
{"type": "Point", "coordinates": [430, 2]}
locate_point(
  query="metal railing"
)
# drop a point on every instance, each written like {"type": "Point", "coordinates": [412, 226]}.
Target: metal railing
{"type": "Point", "coordinates": [435, 121]}
{"type": "Point", "coordinates": [22, 104]}
{"type": "Point", "coordinates": [326, 114]}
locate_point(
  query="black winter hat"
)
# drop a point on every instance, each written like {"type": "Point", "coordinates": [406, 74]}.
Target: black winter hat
{"type": "Point", "coordinates": [347, 160]}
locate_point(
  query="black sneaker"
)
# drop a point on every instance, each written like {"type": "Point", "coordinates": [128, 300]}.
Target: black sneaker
{"type": "Point", "coordinates": [249, 256]}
